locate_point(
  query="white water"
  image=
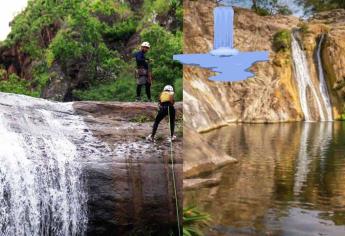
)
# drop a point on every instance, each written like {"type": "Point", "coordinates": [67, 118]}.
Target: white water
{"type": "Point", "coordinates": [304, 81]}
{"type": "Point", "coordinates": [41, 185]}
{"type": "Point", "coordinates": [323, 85]}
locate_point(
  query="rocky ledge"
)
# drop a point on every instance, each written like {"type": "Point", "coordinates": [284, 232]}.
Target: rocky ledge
{"type": "Point", "coordinates": [130, 188]}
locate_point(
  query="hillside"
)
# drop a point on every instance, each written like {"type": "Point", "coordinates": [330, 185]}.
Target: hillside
{"type": "Point", "coordinates": [81, 50]}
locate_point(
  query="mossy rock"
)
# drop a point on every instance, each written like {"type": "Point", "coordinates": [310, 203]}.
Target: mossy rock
{"type": "Point", "coordinates": [282, 40]}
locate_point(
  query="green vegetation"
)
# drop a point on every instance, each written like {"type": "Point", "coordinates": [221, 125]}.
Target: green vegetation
{"type": "Point", "coordinates": [121, 89]}
{"type": "Point", "coordinates": [282, 40]}
{"type": "Point", "coordinates": [342, 117]}
{"type": "Point", "coordinates": [304, 28]}
{"type": "Point", "coordinates": [85, 41]}
{"type": "Point", "coordinates": [311, 6]}
{"type": "Point", "coordinates": [141, 119]}
{"type": "Point", "coordinates": [15, 85]}
{"type": "Point", "coordinates": [270, 7]}
{"type": "Point", "coordinates": [164, 69]}
{"type": "Point", "coordinates": [193, 221]}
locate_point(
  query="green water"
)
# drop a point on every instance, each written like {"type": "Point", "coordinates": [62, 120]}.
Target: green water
{"type": "Point", "coordinates": [290, 180]}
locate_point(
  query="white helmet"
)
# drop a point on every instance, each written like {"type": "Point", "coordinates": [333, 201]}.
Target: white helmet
{"type": "Point", "coordinates": [146, 44]}
{"type": "Point", "coordinates": [169, 88]}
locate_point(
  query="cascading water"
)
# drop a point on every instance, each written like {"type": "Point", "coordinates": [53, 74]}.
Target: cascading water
{"type": "Point", "coordinates": [223, 32]}
{"type": "Point", "coordinates": [304, 81]}
{"type": "Point", "coordinates": [41, 185]}
{"type": "Point", "coordinates": [323, 84]}
{"type": "Point", "coordinates": [223, 27]}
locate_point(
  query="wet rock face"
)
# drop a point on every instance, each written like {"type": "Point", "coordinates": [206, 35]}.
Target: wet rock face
{"type": "Point", "coordinates": [333, 54]}
{"type": "Point", "coordinates": [130, 188]}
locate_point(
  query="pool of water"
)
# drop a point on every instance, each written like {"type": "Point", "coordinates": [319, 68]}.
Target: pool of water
{"type": "Point", "coordinates": [289, 180]}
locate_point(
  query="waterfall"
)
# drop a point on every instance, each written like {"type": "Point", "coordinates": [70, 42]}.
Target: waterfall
{"type": "Point", "coordinates": [304, 81]}
{"type": "Point", "coordinates": [223, 27]}
{"type": "Point", "coordinates": [223, 32]}
{"type": "Point", "coordinates": [41, 185]}
{"type": "Point", "coordinates": [323, 85]}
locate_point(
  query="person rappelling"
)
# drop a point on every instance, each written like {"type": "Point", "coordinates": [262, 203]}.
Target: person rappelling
{"type": "Point", "coordinates": [143, 74]}
{"type": "Point", "coordinates": [166, 108]}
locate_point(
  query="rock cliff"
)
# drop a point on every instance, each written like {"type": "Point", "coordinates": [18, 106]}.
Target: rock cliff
{"type": "Point", "coordinates": [130, 190]}
{"type": "Point", "coordinates": [272, 95]}
{"type": "Point", "coordinates": [88, 167]}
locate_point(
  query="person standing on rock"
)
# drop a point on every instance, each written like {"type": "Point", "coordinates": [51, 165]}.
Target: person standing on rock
{"type": "Point", "coordinates": [142, 73]}
{"type": "Point", "coordinates": [166, 108]}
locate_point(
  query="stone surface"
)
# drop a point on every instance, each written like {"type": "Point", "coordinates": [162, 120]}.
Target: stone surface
{"type": "Point", "coordinates": [272, 95]}
{"type": "Point", "coordinates": [130, 189]}
{"type": "Point", "coordinates": [201, 157]}
{"type": "Point", "coordinates": [332, 23]}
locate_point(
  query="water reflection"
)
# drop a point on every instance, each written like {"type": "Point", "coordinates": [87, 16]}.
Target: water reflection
{"type": "Point", "coordinates": [290, 180]}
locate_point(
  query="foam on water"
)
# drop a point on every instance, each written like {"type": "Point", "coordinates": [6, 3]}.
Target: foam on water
{"type": "Point", "coordinates": [41, 186]}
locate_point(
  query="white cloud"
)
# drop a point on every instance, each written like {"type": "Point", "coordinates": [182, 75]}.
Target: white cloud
{"type": "Point", "coordinates": [8, 9]}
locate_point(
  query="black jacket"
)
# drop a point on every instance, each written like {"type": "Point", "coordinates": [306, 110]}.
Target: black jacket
{"type": "Point", "coordinates": [141, 60]}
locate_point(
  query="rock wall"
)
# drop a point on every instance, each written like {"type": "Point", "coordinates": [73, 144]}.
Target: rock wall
{"type": "Point", "coordinates": [271, 95]}
{"type": "Point", "coordinates": [130, 189]}
{"type": "Point", "coordinates": [332, 23]}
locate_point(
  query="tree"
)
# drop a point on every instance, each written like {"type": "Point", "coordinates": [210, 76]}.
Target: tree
{"type": "Point", "coordinates": [311, 6]}
{"type": "Point", "coordinates": [270, 7]}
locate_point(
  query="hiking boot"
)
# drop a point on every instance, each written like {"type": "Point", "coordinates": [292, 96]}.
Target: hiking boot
{"type": "Point", "coordinates": [172, 138]}
{"type": "Point", "coordinates": [150, 138]}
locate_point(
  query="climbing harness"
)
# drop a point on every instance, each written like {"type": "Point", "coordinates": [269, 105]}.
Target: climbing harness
{"type": "Point", "coordinates": [174, 179]}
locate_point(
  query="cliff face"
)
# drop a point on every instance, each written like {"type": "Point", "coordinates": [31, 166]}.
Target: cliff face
{"type": "Point", "coordinates": [130, 189]}
{"type": "Point", "coordinates": [333, 55]}
{"type": "Point", "coordinates": [81, 46]}
{"type": "Point", "coordinates": [87, 164]}
{"type": "Point", "coordinates": [270, 96]}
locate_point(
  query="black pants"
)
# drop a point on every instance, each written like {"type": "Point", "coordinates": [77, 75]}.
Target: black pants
{"type": "Point", "coordinates": [147, 89]}
{"type": "Point", "coordinates": [164, 111]}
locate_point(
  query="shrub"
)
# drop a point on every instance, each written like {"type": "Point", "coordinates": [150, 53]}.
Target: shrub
{"type": "Point", "coordinates": [121, 31]}
{"type": "Point", "coordinates": [282, 40]}
{"type": "Point", "coordinates": [3, 73]}
{"type": "Point", "coordinates": [262, 11]}
{"type": "Point", "coordinates": [178, 87]}
{"type": "Point", "coordinates": [16, 85]}
{"type": "Point", "coordinates": [163, 46]}
{"type": "Point", "coordinates": [122, 89]}
{"type": "Point", "coordinates": [304, 28]}
{"type": "Point", "coordinates": [193, 220]}
{"type": "Point", "coordinates": [64, 47]}
{"type": "Point", "coordinates": [110, 7]}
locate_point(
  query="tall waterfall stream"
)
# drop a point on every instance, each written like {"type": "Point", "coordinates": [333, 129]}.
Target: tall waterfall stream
{"type": "Point", "coordinates": [42, 190]}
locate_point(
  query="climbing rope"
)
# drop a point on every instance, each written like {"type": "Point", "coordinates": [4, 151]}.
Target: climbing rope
{"type": "Point", "coordinates": [173, 177]}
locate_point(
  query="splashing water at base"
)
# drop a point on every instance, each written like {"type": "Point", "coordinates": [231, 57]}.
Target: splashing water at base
{"type": "Point", "coordinates": [41, 187]}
